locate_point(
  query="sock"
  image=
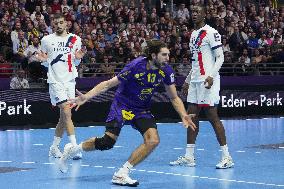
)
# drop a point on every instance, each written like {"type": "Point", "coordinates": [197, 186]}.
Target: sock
{"type": "Point", "coordinates": [72, 139]}
{"type": "Point", "coordinates": [81, 146]}
{"type": "Point", "coordinates": [56, 141]}
{"type": "Point", "coordinates": [125, 168]}
{"type": "Point", "coordinates": [225, 151]}
{"type": "Point", "coordinates": [189, 151]}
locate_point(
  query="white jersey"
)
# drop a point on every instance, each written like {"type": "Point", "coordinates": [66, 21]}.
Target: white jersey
{"type": "Point", "coordinates": [61, 60]}
{"type": "Point", "coordinates": [202, 44]}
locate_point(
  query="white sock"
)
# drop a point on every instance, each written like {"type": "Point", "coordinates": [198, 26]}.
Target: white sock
{"type": "Point", "coordinates": [72, 139]}
{"type": "Point", "coordinates": [125, 168]}
{"type": "Point", "coordinates": [189, 151]}
{"type": "Point", "coordinates": [81, 146]}
{"type": "Point", "coordinates": [56, 141]}
{"type": "Point", "coordinates": [225, 151]}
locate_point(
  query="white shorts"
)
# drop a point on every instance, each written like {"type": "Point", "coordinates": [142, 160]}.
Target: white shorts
{"type": "Point", "coordinates": [61, 92]}
{"type": "Point", "coordinates": [198, 94]}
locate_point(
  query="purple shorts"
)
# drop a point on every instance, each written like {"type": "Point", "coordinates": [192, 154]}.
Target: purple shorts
{"type": "Point", "coordinates": [126, 115]}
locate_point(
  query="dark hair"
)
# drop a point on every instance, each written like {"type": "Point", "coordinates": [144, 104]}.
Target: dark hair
{"type": "Point", "coordinates": [59, 15]}
{"type": "Point", "coordinates": [153, 46]}
{"type": "Point", "coordinates": [202, 6]}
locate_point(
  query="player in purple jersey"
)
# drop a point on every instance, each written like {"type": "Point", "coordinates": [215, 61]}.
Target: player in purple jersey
{"type": "Point", "coordinates": [136, 83]}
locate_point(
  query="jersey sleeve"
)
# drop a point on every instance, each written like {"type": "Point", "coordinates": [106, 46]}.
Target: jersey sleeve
{"type": "Point", "coordinates": [214, 39]}
{"type": "Point", "coordinates": [44, 46]}
{"type": "Point", "coordinates": [169, 76]}
{"type": "Point", "coordinates": [77, 46]}
{"type": "Point", "coordinates": [127, 72]}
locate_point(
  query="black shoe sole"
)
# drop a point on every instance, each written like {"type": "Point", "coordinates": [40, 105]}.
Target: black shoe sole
{"type": "Point", "coordinates": [130, 185]}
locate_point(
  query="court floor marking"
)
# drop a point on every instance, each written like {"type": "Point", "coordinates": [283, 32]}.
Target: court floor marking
{"type": "Point", "coordinates": [165, 173]}
{"type": "Point", "coordinates": [193, 176]}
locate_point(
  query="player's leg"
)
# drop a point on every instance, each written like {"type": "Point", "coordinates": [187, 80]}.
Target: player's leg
{"type": "Point", "coordinates": [105, 142]}
{"type": "Point", "coordinates": [212, 114]}
{"type": "Point", "coordinates": [192, 99]}
{"type": "Point", "coordinates": [57, 97]}
{"type": "Point", "coordinates": [148, 129]}
{"type": "Point", "coordinates": [188, 159]}
{"type": "Point", "coordinates": [67, 114]}
{"type": "Point", "coordinates": [54, 148]}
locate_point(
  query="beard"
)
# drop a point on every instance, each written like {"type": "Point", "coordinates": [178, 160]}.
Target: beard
{"type": "Point", "coordinates": [158, 64]}
{"type": "Point", "coordinates": [60, 31]}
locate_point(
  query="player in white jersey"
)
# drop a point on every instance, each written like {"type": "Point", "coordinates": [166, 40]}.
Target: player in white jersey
{"type": "Point", "coordinates": [203, 83]}
{"type": "Point", "coordinates": [61, 53]}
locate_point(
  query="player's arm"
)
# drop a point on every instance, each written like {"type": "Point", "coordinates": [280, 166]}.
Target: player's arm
{"type": "Point", "coordinates": [216, 47]}
{"type": "Point", "coordinates": [179, 106]}
{"type": "Point", "coordinates": [42, 55]}
{"type": "Point", "coordinates": [98, 89]}
{"type": "Point", "coordinates": [219, 57]}
{"type": "Point", "coordinates": [79, 52]}
{"type": "Point", "coordinates": [102, 87]}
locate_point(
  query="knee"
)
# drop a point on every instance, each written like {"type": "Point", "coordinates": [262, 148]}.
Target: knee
{"type": "Point", "coordinates": [66, 114]}
{"type": "Point", "coordinates": [215, 121]}
{"type": "Point", "coordinates": [104, 143]}
{"type": "Point", "coordinates": [152, 142]}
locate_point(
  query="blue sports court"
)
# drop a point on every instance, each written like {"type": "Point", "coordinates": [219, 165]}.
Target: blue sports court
{"type": "Point", "coordinates": [256, 145]}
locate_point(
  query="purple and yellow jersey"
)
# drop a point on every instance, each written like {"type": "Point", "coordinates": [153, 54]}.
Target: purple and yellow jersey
{"type": "Point", "coordinates": [133, 96]}
{"type": "Point", "coordinates": [138, 83]}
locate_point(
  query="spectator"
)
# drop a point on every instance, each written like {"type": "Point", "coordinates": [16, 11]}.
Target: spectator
{"type": "Point", "coordinates": [161, 7]}
{"type": "Point", "coordinates": [236, 41]}
{"type": "Point", "coordinates": [252, 42]}
{"type": "Point", "coordinates": [83, 17]}
{"type": "Point", "coordinates": [184, 67]}
{"type": "Point", "coordinates": [110, 35]}
{"type": "Point", "coordinates": [6, 43]}
{"type": "Point", "coordinates": [19, 81]}
{"type": "Point", "coordinates": [19, 47]}
{"type": "Point", "coordinates": [243, 66]}
{"type": "Point", "coordinates": [35, 68]}
{"type": "Point", "coordinates": [14, 33]}
{"type": "Point", "coordinates": [36, 15]}
{"type": "Point", "coordinates": [56, 7]}
{"type": "Point", "coordinates": [226, 46]}
{"type": "Point", "coordinates": [6, 69]}
{"type": "Point", "coordinates": [182, 12]}
{"type": "Point", "coordinates": [262, 42]}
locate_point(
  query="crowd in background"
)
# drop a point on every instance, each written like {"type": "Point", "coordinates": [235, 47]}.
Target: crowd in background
{"type": "Point", "coordinates": [115, 31]}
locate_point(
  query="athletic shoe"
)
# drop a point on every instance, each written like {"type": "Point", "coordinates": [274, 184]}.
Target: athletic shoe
{"type": "Point", "coordinates": [69, 152]}
{"type": "Point", "coordinates": [225, 163]}
{"type": "Point", "coordinates": [184, 161]}
{"type": "Point", "coordinates": [124, 180]}
{"type": "Point", "coordinates": [54, 152]}
{"type": "Point", "coordinates": [78, 156]}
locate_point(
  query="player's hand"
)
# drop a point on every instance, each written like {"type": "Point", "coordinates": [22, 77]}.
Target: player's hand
{"type": "Point", "coordinates": [41, 56]}
{"type": "Point", "coordinates": [185, 88]}
{"type": "Point", "coordinates": [80, 53]}
{"type": "Point", "coordinates": [78, 101]}
{"type": "Point", "coordinates": [187, 121]}
{"type": "Point", "coordinates": [208, 82]}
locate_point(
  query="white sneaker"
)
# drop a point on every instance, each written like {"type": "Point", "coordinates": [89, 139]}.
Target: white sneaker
{"type": "Point", "coordinates": [77, 156]}
{"type": "Point", "coordinates": [225, 163]}
{"type": "Point", "coordinates": [123, 180]}
{"type": "Point", "coordinates": [184, 161]}
{"type": "Point", "coordinates": [69, 152]}
{"type": "Point", "coordinates": [54, 152]}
